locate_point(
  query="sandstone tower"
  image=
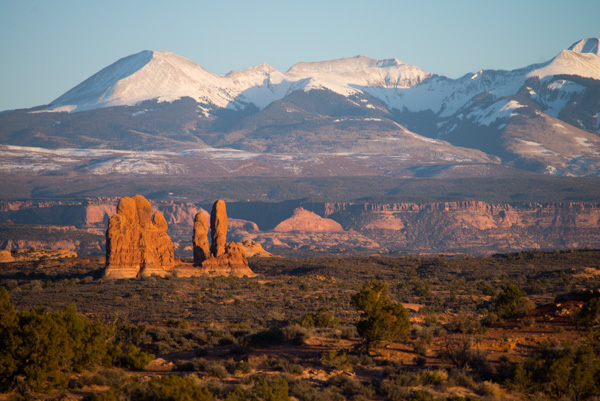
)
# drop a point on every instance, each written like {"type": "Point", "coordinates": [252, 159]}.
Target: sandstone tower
{"type": "Point", "coordinates": [136, 242]}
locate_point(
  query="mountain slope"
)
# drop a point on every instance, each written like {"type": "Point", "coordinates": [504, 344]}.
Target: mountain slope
{"type": "Point", "coordinates": [543, 117]}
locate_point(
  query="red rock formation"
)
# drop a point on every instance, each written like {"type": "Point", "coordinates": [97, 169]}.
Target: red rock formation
{"type": "Point", "coordinates": [218, 228]}
{"type": "Point", "coordinates": [136, 243]}
{"type": "Point", "coordinates": [232, 262]}
{"type": "Point", "coordinates": [253, 248]}
{"type": "Point", "coordinates": [307, 221]}
{"type": "Point", "coordinates": [472, 226]}
{"type": "Point", "coordinates": [225, 258]}
{"type": "Point", "coordinates": [200, 239]}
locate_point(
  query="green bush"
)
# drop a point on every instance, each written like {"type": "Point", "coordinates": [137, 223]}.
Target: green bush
{"type": "Point", "coordinates": [381, 319]}
{"type": "Point", "coordinates": [321, 319]}
{"type": "Point", "coordinates": [270, 388]}
{"type": "Point", "coordinates": [170, 388]}
{"type": "Point", "coordinates": [38, 349]}
{"type": "Point", "coordinates": [560, 371]}
{"type": "Point", "coordinates": [588, 316]}
{"type": "Point", "coordinates": [266, 338]}
{"type": "Point", "coordinates": [511, 301]}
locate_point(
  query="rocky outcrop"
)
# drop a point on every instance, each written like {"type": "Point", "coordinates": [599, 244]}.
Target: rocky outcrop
{"type": "Point", "coordinates": [232, 262]}
{"type": "Point", "coordinates": [472, 226]}
{"type": "Point", "coordinates": [22, 255]}
{"type": "Point", "coordinates": [218, 228]}
{"type": "Point", "coordinates": [6, 256]}
{"type": "Point", "coordinates": [225, 258]}
{"type": "Point", "coordinates": [307, 221]}
{"type": "Point", "coordinates": [253, 248]}
{"type": "Point", "coordinates": [200, 244]}
{"type": "Point", "coordinates": [136, 242]}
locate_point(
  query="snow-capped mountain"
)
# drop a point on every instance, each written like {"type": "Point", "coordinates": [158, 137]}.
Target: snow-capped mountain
{"type": "Point", "coordinates": [542, 117]}
{"type": "Point", "coordinates": [165, 76]}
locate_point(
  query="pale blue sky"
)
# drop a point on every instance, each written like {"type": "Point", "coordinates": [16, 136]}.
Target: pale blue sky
{"type": "Point", "coordinates": [48, 46]}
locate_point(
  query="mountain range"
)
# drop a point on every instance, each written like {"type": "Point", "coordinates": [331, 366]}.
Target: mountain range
{"type": "Point", "coordinates": [543, 118]}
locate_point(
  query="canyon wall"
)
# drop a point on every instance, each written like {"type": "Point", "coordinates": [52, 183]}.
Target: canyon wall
{"type": "Point", "coordinates": [435, 227]}
{"type": "Point", "coordinates": [472, 226]}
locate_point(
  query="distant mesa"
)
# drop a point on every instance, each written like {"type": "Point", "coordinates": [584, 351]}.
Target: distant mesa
{"type": "Point", "coordinates": [138, 244]}
{"type": "Point", "coordinates": [307, 221]}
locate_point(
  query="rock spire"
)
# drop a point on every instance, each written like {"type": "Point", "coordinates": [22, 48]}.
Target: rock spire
{"type": "Point", "coordinates": [225, 258]}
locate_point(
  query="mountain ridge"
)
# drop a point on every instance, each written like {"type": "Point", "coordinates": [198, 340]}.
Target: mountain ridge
{"type": "Point", "coordinates": [543, 117]}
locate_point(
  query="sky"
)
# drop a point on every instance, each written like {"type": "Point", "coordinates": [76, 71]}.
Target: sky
{"type": "Point", "coordinates": [48, 47]}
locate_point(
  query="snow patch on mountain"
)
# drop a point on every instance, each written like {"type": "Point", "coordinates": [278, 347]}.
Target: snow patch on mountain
{"type": "Point", "coordinates": [556, 95]}
{"type": "Point", "coordinates": [496, 111]}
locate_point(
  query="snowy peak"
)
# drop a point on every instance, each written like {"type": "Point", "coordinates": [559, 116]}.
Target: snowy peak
{"type": "Point", "coordinates": [590, 45]}
{"type": "Point", "coordinates": [253, 76]}
{"type": "Point", "coordinates": [133, 79]}
{"type": "Point", "coordinates": [346, 76]}
{"type": "Point", "coordinates": [164, 76]}
{"type": "Point", "coordinates": [98, 87]}
{"type": "Point", "coordinates": [345, 65]}
{"type": "Point", "coordinates": [582, 58]}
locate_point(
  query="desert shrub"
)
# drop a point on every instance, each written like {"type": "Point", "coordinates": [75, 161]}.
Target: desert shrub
{"type": "Point", "coordinates": [381, 319]}
{"type": "Point", "coordinates": [350, 388]}
{"type": "Point", "coordinates": [211, 368]}
{"type": "Point", "coordinates": [394, 391]}
{"type": "Point", "coordinates": [588, 316]}
{"type": "Point", "coordinates": [238, 367]}
{"type": "Point", "coordinates": [511, 301]}
{"type": "Point", "coordinates": [298, 335]}
{"type": "Point", "coordinates": [420, 395]}
{"type": "Point", "coordinates": [177, 323]}
{"type": "Point", "coordinates": [110, 395]}
{"type": "Point", "coordinates": [321, 319]}
{"type": "Point", "coordinates": [490, 390]}
{"type": "Point", "coordinates": [125, 351]}
{"type": "Point", "coordinates": [10, 284]}
{"type": "Point", "coordinates": [460, 378]}
{"type": "Point", "coordinates": [266, 338]}
{"type": "Point", "coordinates": [458, 350]}
{"type": "Point", "coordinates": [270, 388]}
{"type": "Point", "coordinates": [337, 360]}
{"type": "Point", "coordinates": [170, 388]}
{"type": "Point", "coordinates": [403, 378]}
{"type": "Point", "coordinates": [348, 333]}
{"type": "Point", "coordinates": [302, 390]}
{"type": "Point", "coordinates": [435, 377]}
{"type": "Point", "coordinates": [284, 365]}
{"type": "Point", "coordinates": [39, 348]}
{"type": "Point", "coordinates": [463, 323]}
{"type": "Point", "coordinates": [104, 377]}
{"type": "Point", "coordinates": [560, 371]}
{"type": "Point", "coordinates": [420, 348]}
{"type": "Point", "coordinates": [216, 369]}
{"type": "Point", "coordinates": [527, 322]}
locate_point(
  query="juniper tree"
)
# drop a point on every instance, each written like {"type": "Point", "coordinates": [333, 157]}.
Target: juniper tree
{"type": "Point", "coordinates": [381, 318]}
